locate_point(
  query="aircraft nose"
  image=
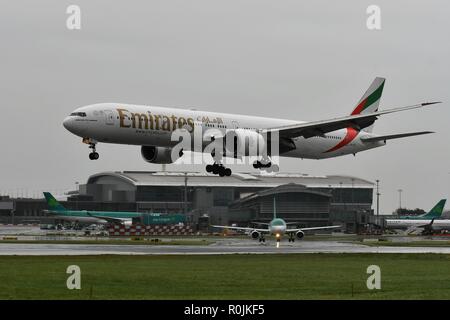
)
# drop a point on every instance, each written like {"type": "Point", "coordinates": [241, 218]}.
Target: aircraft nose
{"type": "Point", "coordinates": [75, 127]}
{"type": "Point", "coordinates": [68, 124]}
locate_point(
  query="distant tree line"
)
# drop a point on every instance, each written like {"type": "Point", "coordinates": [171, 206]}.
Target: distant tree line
{"type": "Point", "coordinates": [409, 212]}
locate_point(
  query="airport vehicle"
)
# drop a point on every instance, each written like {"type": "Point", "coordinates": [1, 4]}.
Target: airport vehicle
{"type": "Point", "coordinates": [153, 129]}
{"type": "Point", "coordinates": [85, 216]}
{"type": "Point", "coordinates": [276, 227]}
{"type": "Point", "coordinates": [428, 221]}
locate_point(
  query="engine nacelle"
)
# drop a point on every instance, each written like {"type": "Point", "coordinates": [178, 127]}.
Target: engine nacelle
{"type": "Point", "coordinates": [242, 142]}
{"type": "Point", "coordinates": [255, 234]}
{"type": "Point", "coordinates": [158, 155]}
{"type": "Point", "coordinates": [300, 235]}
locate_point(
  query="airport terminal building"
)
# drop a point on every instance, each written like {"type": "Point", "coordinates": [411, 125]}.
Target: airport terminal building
{"type": "Point", "coordinates": [240, 198]}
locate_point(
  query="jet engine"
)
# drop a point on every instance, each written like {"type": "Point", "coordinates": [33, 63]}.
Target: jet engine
{"type": "Point", "coordinates": [158, 155]}
{"type": "Point", "coordinates": [242, 142]}
{"type": "Point", "coordinates": [255, 234]}
{"type": "Point", "coordinates": [300, 235]}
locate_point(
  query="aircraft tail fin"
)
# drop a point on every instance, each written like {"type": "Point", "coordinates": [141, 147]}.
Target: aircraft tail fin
{"type": "Point", "coordinates": [52, 203]}
{"type": "Point", "coordinates": [437, 210]}
{"type": "Point", "coordinates": [370, 101]}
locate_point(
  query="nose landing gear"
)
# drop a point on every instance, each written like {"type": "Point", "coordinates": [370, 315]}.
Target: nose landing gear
{"type": "Point", "coordinates": [93, 155]}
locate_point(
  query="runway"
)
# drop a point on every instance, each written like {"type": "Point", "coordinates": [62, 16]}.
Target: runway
{"type": "Point", "coordinates": [221, 247]}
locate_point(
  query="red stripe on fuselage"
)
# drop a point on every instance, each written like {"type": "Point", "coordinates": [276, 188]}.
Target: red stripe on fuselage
{"type": "Point", "coordinates": [351, 134]}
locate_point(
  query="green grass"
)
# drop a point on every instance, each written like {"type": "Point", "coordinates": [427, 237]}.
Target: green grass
{"type": "Point", "coordinates": [421, 243]}
{"type": "Point", "coordinates": [294, 276]}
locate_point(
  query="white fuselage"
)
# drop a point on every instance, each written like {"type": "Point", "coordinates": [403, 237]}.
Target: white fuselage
{"type": "Point", "coordinates": [407, 223]}
{"type": "Point", "coordinates": [153, 126]}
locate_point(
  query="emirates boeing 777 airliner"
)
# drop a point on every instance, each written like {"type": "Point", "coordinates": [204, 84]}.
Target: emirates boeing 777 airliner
{"type": "Point", "coordinates": [152, 128]}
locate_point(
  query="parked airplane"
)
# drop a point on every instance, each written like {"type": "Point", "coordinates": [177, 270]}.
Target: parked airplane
{"type": "Point", "coordinates": [428, 220]}
{"type": "Point", "coordinates": [277, 227]}
{"type": "Point", "coordinates": [152, 128]}
{"type": "Point", "coordinates": [84, 216]}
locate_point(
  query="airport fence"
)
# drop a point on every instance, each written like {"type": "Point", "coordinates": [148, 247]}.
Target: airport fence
{"type": "Point", "coordinates": [143, 230]}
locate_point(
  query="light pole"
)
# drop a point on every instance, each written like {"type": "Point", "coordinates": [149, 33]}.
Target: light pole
{"type": "Point", "coordinates": [400, 198]}
{"type": "Point", "coordinates": [353, 191]}
{"type": "Point", "coordinates": [185, 193]}
{"type": "Point", "coordinates": [378, 198]}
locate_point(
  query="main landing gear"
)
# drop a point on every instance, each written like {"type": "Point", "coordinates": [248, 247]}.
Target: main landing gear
{"type": "Point", "coordinates": [218, 168]}
{"type": "Point", "coordinates": [262, 239]}
{"type": "Point", "coordinates": [266, 165]}
{"type": "Point", "coordinates": [291, 237]}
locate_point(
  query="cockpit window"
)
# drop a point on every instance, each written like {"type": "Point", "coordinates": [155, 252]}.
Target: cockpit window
{"type": "Point", "coordinates": [79, 114]}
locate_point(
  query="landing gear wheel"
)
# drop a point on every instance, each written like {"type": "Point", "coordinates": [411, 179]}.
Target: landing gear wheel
{"type": "Point", "coordinates": [94, 155]}
{"type": "Point", "coordinates": [218, 169]}
{"type": "Point", "coordinates": [266, 165]}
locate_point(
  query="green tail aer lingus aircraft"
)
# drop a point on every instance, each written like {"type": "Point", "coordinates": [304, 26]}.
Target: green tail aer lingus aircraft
{"type": "Point", "coordinates": [434, 213]}
{"type": "Point", "coordinates": [85, 216]}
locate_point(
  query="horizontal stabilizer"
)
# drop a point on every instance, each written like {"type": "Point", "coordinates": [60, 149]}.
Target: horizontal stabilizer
{"type": "Point", "coordinates": [394, 136]}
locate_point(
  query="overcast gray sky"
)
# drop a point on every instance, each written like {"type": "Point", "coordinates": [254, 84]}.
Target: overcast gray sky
{"type": "Point", "coordinates": [305, 60]}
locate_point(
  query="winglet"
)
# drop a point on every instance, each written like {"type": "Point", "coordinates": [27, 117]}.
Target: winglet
{"type": "Point", "coordinates": [428, 103]}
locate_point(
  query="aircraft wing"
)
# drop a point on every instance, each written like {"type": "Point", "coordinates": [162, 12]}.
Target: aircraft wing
{"type": "Point", "coordinates": [313, 228]}
{"type": "Point", "coordinates": [411, 230]}
{"type": "Point", "coordinates": [319, 128]}
{"type": "Point", "coordinates": [427, 225]}
{"type": "Point", "coordinates": [394, 136]}
{"type": "Point", "coordinates": [261, 223]}
{"type": "Point", "coordinates": [109, 219]}
{"type": "Point", "coordinates": [241, 228]}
